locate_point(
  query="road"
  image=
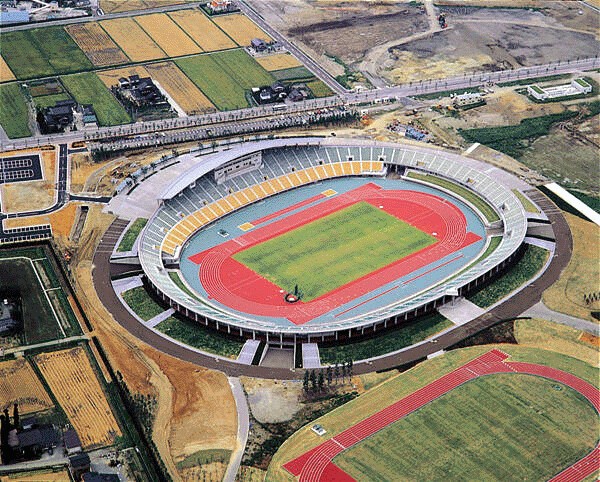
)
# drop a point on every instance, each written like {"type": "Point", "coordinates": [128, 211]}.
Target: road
{"type": "Point", "coordinates": [540, 310]}
{"type": "Point", "coordinates": [509, 309]}
{"type": "Point", "coordinates": [348, 99]}
{"type": "Point", "coordinates": [243, 416]}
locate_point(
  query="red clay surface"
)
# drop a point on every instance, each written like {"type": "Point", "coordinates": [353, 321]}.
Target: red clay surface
{"type": "Point", "coordinates": [316, 464]}
{"type": "Point", "coordinates": [238, 287]}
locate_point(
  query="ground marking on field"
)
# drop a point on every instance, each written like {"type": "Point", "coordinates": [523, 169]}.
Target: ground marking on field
{"type": "Point", "coordinates": [246, 226]}
{"type": "Point", "coordinates": [329, 193]}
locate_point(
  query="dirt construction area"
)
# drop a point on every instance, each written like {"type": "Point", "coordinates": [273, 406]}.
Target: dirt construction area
{"type": "Point", "coordinates": [403, 42]}
{"type": "Point", "coordinates": [273, 401]}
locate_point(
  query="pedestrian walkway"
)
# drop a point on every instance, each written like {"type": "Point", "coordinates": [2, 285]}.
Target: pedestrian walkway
{"type": "Point", "coordinates": [542, 243]}
{"type": "Point", "coordinates": [460, 311]}
{"type": "Point", "coordinates": [152, 322]}
{"type": "Point", "coordinates": [310, 356]}
{"type": "Point", "coordinates": [248, 351]}
{"type": "Point", "coordinates": [540, 310]}
{"type": "Point", "coordinates": [126, 284]}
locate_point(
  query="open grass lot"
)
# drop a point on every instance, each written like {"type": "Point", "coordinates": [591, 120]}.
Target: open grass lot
{"type": "Point", "coordinates": [181, 89]}
{"type": "Point", "coordinates": [195, 335]}
{"type": "Point", "coordinates": [559, 338]}
{"type": "Point", "coordinates": [96, 44]}
{"type": "Point", "coordinates": [202, 30]}
{"type": "Point", "coordinates": [131, 235]}
{"type": "Point", "coordinates": [225, 77]}
{"type": "Point", "coordinates": [581, 275]}
{"type": "Point", "coordinates": [167, 34]}
{"type": "Point", "coordinates": [240, 28]}
{"type": "Point", "coordinates": [319, 88]}
{"type": "Point", "coordinates": [42, 51]}
{"type": "Point", "coordinates": [532, 261]}
{"type": "Point", "coordinates": [5, 72]}
{"type": "Point", "coordinates": [386, 342]}
{"type": "Point", "coordinates": [73, 382]}
{"type": "Point", "coordinates": [462, 192]}
{"type": "Point", "coordinates": [87, 88]}
{"type": "Point", "coordinates": [132, 39]}
{"type": "Point", "coordinates": [14, 115]}
{"type": "Point", "coordinates": [296, 74]}
{"type": "Point", "coordinates": [334, 250]}
{"type": "Point", "coordinates": [140, 302]}
{"type": "Point", "coordinates": [500, 426]}
{"type": "Point", "coordinates": [405, 383]}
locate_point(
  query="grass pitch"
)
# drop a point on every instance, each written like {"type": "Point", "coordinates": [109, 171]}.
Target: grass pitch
{"type": "Point", "coordinates": [495, 427]}
{"type": "Point", "coordinates": [334, 250]}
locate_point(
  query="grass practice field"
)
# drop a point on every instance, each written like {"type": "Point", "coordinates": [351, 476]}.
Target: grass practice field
{"type": "Point", "coordinates": [334, 250]}
{"type": "Point", "coordinates": [87, 88]}
{"type": "Point", "coordinates": [520, 424]}
{"type": "Point", "coordinates": [41, 52]}
{"type": "Point", "coordinates": [565, 404]}
{"type": "Point", "coordinates": [14, 116]}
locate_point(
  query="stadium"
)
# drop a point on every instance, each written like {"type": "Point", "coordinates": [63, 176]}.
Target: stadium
{"type": "Point", "coordinates": [321, 239]}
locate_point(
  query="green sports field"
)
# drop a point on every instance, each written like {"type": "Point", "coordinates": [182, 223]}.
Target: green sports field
{"type": "Point", "coordinates": [334, 250]}
{"type": "Point", "coordinates": [500, 427]}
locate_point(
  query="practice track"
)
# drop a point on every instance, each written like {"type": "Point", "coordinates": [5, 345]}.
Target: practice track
{"type": "Point", "coordinates": [317, 464]}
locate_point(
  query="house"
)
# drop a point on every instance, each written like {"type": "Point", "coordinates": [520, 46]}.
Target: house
{"type": "Point", "coordinates": [217, 6]}
{"type": "Point", "coordinates": [58, 117]}
{"type": "Point", "coordinates": [79, 464]}
{"type": "Point", "coordinates": [8, 323]}
{"type": "Point", "coordinates": [140, 91]}
{"type": "Point", "coordinates": [96, 477]}
{"type": "Point", "coordinates": [258, 44]}
{"type": "Point", "coordinates": [89, 115]}
{"type": "Point", "coordinates": [34, 441]}
{"type": "Point", "coordinates": [468, 98]}
{"type": "Point", "coordinates": [72, 442]}
{"type": "Point", "coordinates": [278, 87]}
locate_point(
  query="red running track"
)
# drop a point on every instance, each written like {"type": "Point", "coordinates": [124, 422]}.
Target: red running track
{"type": "Point", "coordinates": [238, 287]}
{"type": "Point", "coordinates": [317, 464]}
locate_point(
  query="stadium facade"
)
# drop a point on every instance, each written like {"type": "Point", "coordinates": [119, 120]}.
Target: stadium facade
{"type": "Point", "coordinates": [223, 183]}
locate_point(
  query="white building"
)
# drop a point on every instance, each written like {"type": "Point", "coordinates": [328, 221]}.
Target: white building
{"type": "Point", "coordinates": [468, 98]}
{"type": "Point", "coordinates": [576, 87]}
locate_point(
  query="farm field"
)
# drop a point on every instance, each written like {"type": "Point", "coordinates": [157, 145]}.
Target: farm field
{"type": "Point", "coordinates": [78, 391]}
{"type": "Point", "coordinates": [334, 250]}
{"type": "Point", "coordinates": [111, 77]}
{"type": "Point", "coordinates": [5, 72]}
{"type": "Point", "coordinates": [130, 37]}
{"type": "Point", "coordinates": [202, 30]}
{"type": "Point", "coordinates": [14, 114]}
{"type": "Point", "coordinates": [49, 100]}
{"type": "Point", "coordinates": [319, 88]}
{"type": "Point", "coordinates": [180, 88]}
{"type": "Point", "coordinates": [424, 373]}
{"type": "Point", "coordinates": [167, 35]}
{"type": "Point", "coordinates": [223, 91]}
{"type": "Point", "coordinates": [506, 414]}
{"type": "Point", "coordinates": [278, 62]}
{"type": "Point", "coordinates": [114, 6]}
{"type": "Point", "coordinates": [19, 384]}
{"type": "Point", "coordinates": [240, 28]}
{"type": "Point", "coordinates": [42, 475]}
{"type": "Point", "coordinates": [87, 88]}
{"type": "Point", "coordinates": [97, 45]}
{"type": "Point", "coordinates": [41, 52]}
{"type": "Point", "coordinates": [242, 68]}
{"type": "Point", "coordinates": [40, 323]}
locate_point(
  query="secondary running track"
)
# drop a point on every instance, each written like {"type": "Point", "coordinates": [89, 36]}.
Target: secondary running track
{"type": "Point", "coordinates": [317, 464]}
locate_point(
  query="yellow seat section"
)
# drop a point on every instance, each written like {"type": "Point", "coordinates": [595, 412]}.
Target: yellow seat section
{"type": "Point", "coordinates": [329, 170]}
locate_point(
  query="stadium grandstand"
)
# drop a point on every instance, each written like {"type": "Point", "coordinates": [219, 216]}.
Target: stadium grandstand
{"type": "Point", "coordinates": [220, 185]}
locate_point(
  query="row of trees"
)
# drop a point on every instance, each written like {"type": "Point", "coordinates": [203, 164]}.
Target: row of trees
{"type": "Point", "coordinates": [314, 380]}
{"type": "Point", "coordinates": [6, 427]}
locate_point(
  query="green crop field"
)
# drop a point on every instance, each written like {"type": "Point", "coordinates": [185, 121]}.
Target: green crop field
{"type": "Point", "coordinates": [14, 116]}
{"type": "Point", "coordinates": [497, 427]}
{"type": "Point", "coordinates": [49, 100]}
{"type": "Point", "coordinates": [246, 71]}
{"type": "Point", "coordinates": [40, 323]}
{"type": "Point", "coordinates": [87, 88]}
{"type": "Point", "coordinates": [334, 250]}
{"type": "Point", "coordinates": [225, 77]}
{"type": "Point", "coordinates": [319, 88]}
{"type": "Point", "coordinates": [42, 52]}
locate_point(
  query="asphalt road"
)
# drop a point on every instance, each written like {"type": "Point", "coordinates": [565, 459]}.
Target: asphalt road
{"type": "Point", "coordinates": [511, 308]}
